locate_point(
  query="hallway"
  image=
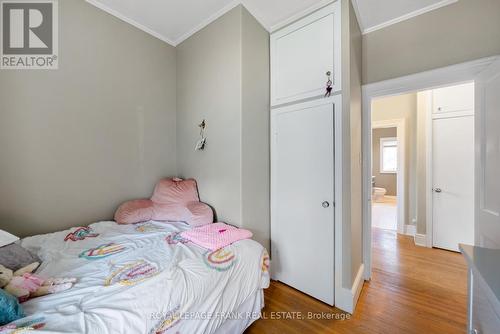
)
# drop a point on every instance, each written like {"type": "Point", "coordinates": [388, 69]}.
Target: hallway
{"type": "Point", "coordinates": [413, 290]}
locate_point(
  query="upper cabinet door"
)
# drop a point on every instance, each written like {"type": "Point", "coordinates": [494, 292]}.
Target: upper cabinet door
{"type": "Point", "coordinates": [302, 54]}
{"type": "Point", "coordinates": [453, 99]}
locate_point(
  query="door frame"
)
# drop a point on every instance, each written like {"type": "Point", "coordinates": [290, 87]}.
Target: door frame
{"type": "Point", "coordinates": [400, 124]}
{"type": "Point", "coordinates": [340, 298]}
{"type": "Point", "coordinates": [441, 77]}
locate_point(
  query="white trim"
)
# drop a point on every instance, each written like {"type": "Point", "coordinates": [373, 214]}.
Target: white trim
{"type": "Point", "coordinates": [409, 15]}
{"type": "Point", "coordinates": [428, 169]}
{"type": "Point", "coordinates": [445, 76]}
{"type": "Point", "coordinates": [411, 230]}
{"type": "Point", "coordinates": [206, 22]}
{"type": "Point", "coordinates": [336, 100]}
{"type": "Point", "coordinates": [299, 15]}
{"type": "Point", "coordinates": [128, 20]}
{"type": "Point", "coordinates": [220, 13]}
{"type": "Point", "coordinates": [339, 204]}
{"type": "Point", "coordinates": [347, 299]}
{"type": "Point", "coordinates": [355, 5]}
{"type": "Point", "coordinates": [400, 124]}
{"type": "Point", "coordinates": [453, 114]}
{"type": "Point", "coordinates": [421, 240]}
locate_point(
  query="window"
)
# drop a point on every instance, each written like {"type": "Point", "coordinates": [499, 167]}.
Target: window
{"type": "Point", "coordinates": [388, 155]}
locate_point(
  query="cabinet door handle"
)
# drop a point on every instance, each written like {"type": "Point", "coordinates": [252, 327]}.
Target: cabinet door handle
{"type": "Point", "coordinates": [438, 190]}
{"type": "Point", "coordinates": [325, 204]}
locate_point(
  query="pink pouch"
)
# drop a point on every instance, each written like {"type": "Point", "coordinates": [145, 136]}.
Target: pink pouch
{"type": "Point", "coordinates": [216, 236]}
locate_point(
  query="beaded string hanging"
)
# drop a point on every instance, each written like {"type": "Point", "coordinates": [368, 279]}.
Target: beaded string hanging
{"type": "Point", "coordinates": [329, 83]}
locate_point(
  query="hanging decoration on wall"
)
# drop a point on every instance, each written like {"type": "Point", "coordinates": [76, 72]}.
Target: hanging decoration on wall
{"type": "Point", "coordinates": [329, 84]}
{"type": "Point", "coordinates": [202, 142]}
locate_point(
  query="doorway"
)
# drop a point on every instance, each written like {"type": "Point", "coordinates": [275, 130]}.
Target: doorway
{"type": "Point", "coordinates": [414, 84]}
{"type": "Point", "coordinates": [388, 169]}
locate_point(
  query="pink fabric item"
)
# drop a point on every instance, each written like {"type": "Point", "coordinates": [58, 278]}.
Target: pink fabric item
{"type": "Point", "coordinates": [134, 211]}
{"type": "Point", "coordinates": [171, 191]}
{"type": "Point", "coordinates": [216, 236]}
{"type": "Point", "coordinates": [28, 281]}
{"type": "Point", "coordinates": [172, 200]}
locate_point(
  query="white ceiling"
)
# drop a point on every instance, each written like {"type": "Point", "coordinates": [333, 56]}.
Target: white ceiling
{"type": "Point", "coordinates": [175, 20]}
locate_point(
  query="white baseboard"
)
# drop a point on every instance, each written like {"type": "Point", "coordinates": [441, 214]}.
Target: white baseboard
{"type": "Point", "coordinates": [410, 230]}
{"type": "Point", "coordinates": [345, 298]}
{"type": "Point", "coordinates": [421, 240]}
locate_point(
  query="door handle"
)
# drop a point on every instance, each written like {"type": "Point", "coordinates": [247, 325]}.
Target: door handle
{"type": "Point", "coordinates": [325, 204]}
{"type": "Point", "coordinates": [438, 190]}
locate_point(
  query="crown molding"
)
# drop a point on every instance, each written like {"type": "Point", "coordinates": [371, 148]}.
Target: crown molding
{"type": "Point", "coordinates": [408, 16]}
{"type": "Point", "coordinates": [207, 21]}
{"type": "Point", "coordinates": [128, 20]}
{"type": "Point", "coordinates": [190, 32]}
{"type": "Point", "coordinates": [300, 14]}
{"type": "Point", "coordinates": [358, 14]}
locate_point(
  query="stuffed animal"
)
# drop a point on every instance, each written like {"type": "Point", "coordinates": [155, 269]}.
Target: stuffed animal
{"type": "Point", "coordinates": [24, 285]}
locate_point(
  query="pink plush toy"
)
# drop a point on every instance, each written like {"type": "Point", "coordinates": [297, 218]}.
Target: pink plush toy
{"type": "Point", "coordinates": [172, 200]}
{"type": "Point", "coordinates": [24, 285]}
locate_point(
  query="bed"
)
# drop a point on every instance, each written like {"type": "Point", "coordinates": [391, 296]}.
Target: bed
{"type": "Point", "coordinates": [145, 278]}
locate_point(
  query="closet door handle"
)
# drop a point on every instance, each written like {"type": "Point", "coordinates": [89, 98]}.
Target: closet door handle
{"type": "Point", "coordinates": [326, 204]}
{"type": "Point", "coordinates": [438, 190]}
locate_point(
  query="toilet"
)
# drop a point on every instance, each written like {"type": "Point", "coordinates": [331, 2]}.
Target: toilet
{"type": "Point", "coordinates": [378, 193]}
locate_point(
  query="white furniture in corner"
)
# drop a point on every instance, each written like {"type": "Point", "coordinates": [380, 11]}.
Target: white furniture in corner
{"type": "Point", "coordinates": [484, 289]}
{"type": "Point", "coordinates": [301, 55]}
{"type": "Point", "coordinates": [306, 154]}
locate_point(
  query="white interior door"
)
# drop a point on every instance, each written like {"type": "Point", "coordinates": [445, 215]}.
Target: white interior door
{"type": "Point", "coordinates": [302, 199]}
{"type": "Point", "coordinates": [488, 157]}
{"type": "Point", "coordinates": [453, 181]}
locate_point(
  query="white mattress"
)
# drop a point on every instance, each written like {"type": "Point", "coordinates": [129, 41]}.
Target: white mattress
{"type": "Point", "coordinates": [151, 281]}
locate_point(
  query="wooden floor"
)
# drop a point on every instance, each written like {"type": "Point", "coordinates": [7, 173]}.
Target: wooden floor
{"type": "Point", "coordinates": [413, 290]}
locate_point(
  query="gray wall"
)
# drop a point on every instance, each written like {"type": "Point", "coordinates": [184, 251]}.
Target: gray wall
{"type": "Point", "coordinates": [383, 180]}
{"type": "Point", "coordinates": [209, 87]}
{"type": "Point", "coordinates": [352, 247]}
{"type": "Point", "coordinates": [76, 142]}
{"type": "Point", "coordinates": [255, 159]}
{"type": "Point", "coordinates": [466, 30]}
{"type": "Point", "coordinates": [423, 109]}
{"type": "Point", "coordinates": [223, 77]}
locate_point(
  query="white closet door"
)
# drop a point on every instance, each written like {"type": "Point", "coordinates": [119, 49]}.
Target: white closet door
{"type": "Point", "coordinates": [302, 54]}
{"type": "Point", "coordinates": [302, 199]}
{"type": "Point", "coordinates": [453, 99]}
{"type": "Point", "coordinates": [453, 182]}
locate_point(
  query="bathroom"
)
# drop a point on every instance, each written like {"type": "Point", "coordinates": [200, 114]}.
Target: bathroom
{"type": "Point", "coordinates": [384, 179]}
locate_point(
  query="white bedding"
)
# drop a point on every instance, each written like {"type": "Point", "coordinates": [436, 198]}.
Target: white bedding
{"type": "Point", "coordinates": [147, 280]}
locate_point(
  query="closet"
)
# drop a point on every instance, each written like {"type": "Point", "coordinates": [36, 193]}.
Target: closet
{"type": "Point", "coordinates": [452, 166]}
{"type": "Point", "coordinates": [305, 61]}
